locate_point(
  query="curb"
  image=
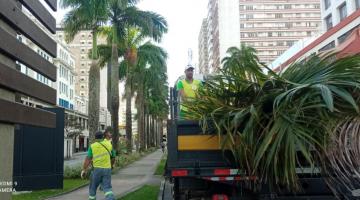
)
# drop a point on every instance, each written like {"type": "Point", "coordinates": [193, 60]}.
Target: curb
{"type": "Point", "coordinates": [129, 191]}
{"type": "Point", "coordinates": [161, 192]}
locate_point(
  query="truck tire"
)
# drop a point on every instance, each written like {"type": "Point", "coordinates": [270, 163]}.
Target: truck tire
{"type": "Point", "coordinates": [175, 189]}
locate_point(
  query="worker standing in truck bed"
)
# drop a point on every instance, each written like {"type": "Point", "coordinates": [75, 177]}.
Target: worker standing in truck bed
{"type": "Point", "coordinates": [187, 89]}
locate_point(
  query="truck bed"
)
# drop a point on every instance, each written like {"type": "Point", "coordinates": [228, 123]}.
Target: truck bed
{"type": "Point", "coordinates": [196, 163]}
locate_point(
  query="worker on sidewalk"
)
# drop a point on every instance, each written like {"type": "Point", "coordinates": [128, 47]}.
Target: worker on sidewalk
{"type": "Point", "coordinates": [100, 154]}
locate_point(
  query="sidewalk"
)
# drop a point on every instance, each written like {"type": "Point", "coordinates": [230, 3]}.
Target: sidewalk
{"type": "Point", "coordinates": [126, 180]}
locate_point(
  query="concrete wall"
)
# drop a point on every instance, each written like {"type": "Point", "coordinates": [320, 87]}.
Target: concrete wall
{"type": "Point", "coordinates": [6, 133]}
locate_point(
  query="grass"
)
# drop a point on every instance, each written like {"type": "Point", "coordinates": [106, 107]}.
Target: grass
{"type": "Point", "coordinates": [69, 184]}
{"type": "Point", "coordinates": [161, 166]}
{"type": "Point", "coordinates": [148, 192]}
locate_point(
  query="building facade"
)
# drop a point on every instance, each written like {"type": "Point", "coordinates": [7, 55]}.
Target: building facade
{"type": "Point", "coordinates": [223, 30]}
{"type": "Point", "coordinates": [65, 84]}
{"type": "Point", "coordinates": [271, 27]}
{"type": "Point", "coordinates": [340, 32]}
{"type": "Point", "coordinates": [65, 95]}
{"type": "Point", "coordinates": [203, 49]}
{"type": "Point", "coordinates": [80, 48]}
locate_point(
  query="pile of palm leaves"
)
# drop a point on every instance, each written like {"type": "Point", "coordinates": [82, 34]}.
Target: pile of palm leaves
{"type": "Point", "coordinates": [305, 116]}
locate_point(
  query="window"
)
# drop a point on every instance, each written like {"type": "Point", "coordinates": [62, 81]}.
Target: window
{"type": "Point", "coordinates": [279, 52]}
{"type": "Point", "coordinates": [290, 43]}
{"type": "Point", "coordinates": [269, 34]}
{"type": "Point", "coordinates": [328, 22]}
{"type": "Point", "coordinates": [327, 4]}
{"type": "Point", "coordinates": [278, 15]}
{"type": "Point", "coordinates": [288, 6]}
{"type": "Point", "coordinates": [241, 25]}
{"type": "Point", "coordinates": [357, 3]}
{"type": "Point", "coordinates": [328, 46]}
{"type": "Point", "coordinates": [71, 94]}
{"type": "Point", "coordinates": [308, 33]}
{"type": "Point", "coordinates": [249, 16]}
{"type": "Point", "coordinates": [288, 24]}
{"type": "Point", "coordinates": [249, 7]}
{"type": "Point", "coordinates": [343, 37]}
{"type": "Point", "coordinates": [342, 12]}
{"type": "Point", "coordinates": [252, 35]}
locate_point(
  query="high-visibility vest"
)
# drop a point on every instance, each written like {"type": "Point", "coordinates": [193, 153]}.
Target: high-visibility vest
{"type": "Point", "coordinates": [190, 90]}
{"type": "Point", "coordinates": [101, 157]}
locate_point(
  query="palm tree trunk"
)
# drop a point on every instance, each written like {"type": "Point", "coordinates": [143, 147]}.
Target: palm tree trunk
{"type": "Point", "coordinates": [108, 87]}
{"type": "Point", "coordinates": [159, 136]}
{"type": "Point", "coordinates": [156, 132]}
{"type": "Point", "coordinates": [161, 130]}
{"type": "Point", "coordinates": [147, 119]}
{"type": "Point", "coordinates": [145, 129]}
{"type": "Point", "coordinates": [115, 91]}
{"type": "Point", "coordinates": [94, 91]}
{"type": "Point", "coordinates": [152, 130]}
{"type": "Point", "coordinates": [128, 113]}
{"type": "Point", "coordinates": [141, 118]}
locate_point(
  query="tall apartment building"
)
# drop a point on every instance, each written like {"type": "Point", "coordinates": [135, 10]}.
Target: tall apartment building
{"type": "Point", "coordinates": [203, 49]}
{"type": "Point", "coordinates": [80, 48]}
{"type": "Point", "coordinates": [223, 30]}
{"type": "Point", "coordinates": [271, 27]}
{"type": "Point", "coordinates": [341, 33]}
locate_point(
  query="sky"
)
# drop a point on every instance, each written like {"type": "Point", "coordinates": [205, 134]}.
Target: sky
{"type": "Point", "coordinates": [184, 19]}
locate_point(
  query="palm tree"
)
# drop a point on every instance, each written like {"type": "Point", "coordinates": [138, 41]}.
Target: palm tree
{"type": "Point", "coordinates": [123, 14]}
{"type": "Point", "coordinates": [87, 15]}
{"type": "Point", "coordinates": [270, 121]}
{"type": "Point", "coordinates": [150, 70]}
{"type": "Point", "coordinates": [131, 41]}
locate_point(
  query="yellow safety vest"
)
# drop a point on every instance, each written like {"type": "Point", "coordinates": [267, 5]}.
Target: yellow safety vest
{"type": "Point", "coordinates": [101, 157]}
{"type": "Point", "coordinates": [190, 90]}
